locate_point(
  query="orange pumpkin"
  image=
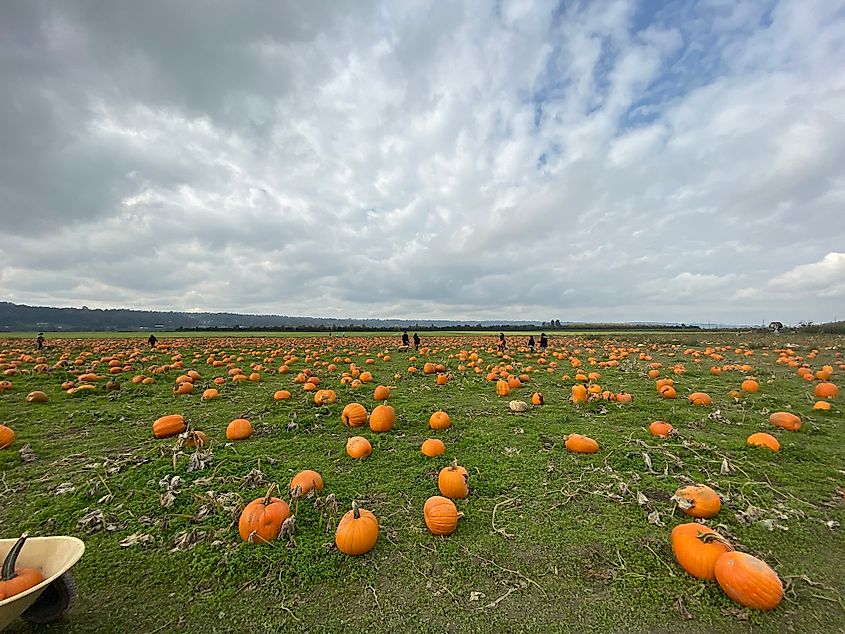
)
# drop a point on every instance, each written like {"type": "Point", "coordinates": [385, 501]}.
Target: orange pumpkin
{"type": "Point", "coordinates": [281, 395]}
{"type": "Point", "coordinates": [441, 515]}
{"type": "Point", "coordinates": [439, 420]}
{"type": "Point", "coordinates": [239, 429]}
{"type": "Point", "coordinates": [749, 581]}
{"type": "Point", "coordinates": [353, 415]}
{"type": "Point", "coordinates": [170, 425]}
{"type": "Point", "coordinates": [381, 393]}
{"type": "Point", "coordinates": [37, 397]}
{"type": "Point", "coordinates": [383, 418]}
{"type": "Point", "coordinates": [750, 385]}
{"type": "Point", "coordinates": [785, 420]}
{"type": "Point", "coordinates": [14, 580]}
{"type": "Point", "coordinates": [357, 531]}
{"type": "Point", "coordinates": [826, 390]}
{"type": "Point", "coordinates": [261, 521]}
{"type": "Point", "coordinates": [307, 480]}
{"type": "Point", "coordinates": [453, 481]}
{"type": "Point", "coordinates": [7, 436]}
{"type": "Point", "coordinates": [537, 398]}
{"type": "Point", "coordinates": [579, 394]}
{"type": "Point", "coordinates": [661, 429]}
{"type": "Point", "coordinates": [700, 398]}
{"type": "Point", "coordinates": [822, 405]}
{"type": "Point", "coordinates": [698, 501]}
{"type": "Point", "coordinates": [210, 394]}
{"type": "Point", "coordinates": [697, 547]}
{"type": "Point", "coordinates": [358, 447]}
{"type": "Point", "coordinates": [761, 439]}
{"type": "Point", "coordinates": [502, 388]}
{"type": "Point", "coordinates": [433, 447]}
{"type": "Point", "coordinates": [577, 443]}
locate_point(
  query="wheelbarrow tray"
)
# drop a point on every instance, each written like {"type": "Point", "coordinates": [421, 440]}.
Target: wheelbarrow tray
{"type": "Point", "coordinates": [52, 555]}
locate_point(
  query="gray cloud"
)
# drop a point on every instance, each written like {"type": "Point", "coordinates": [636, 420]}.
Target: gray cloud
{"type": "Point", "coordinates": [426, 159]}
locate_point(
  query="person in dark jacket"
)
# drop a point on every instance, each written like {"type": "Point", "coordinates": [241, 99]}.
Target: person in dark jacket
{"type": "Point", "coordinates": [416, 341]}
{"type": "Point", "coordinates": [544, 342]}
{"type": "Point", "coordinates": [152, 341]}
{"type": "Point", "coordinates": [502, 343]}
{"type": "Point", "coordinates": [531, 343]}
{"type": "Point", "coordinates": [405, 340]}
{"type": "Point", "coordinates": [39, 341]}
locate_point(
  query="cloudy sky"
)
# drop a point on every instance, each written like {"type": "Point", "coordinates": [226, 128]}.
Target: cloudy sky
{"type": "Point", "coordinates": [603, 160]}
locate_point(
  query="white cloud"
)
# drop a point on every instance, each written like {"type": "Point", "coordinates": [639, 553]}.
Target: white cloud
{"type": "Point", "coordinates": [427, 159]}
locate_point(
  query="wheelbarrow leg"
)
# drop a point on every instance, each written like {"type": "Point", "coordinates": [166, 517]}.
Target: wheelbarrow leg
{"type": "Point", "coordinates": [53, 603]}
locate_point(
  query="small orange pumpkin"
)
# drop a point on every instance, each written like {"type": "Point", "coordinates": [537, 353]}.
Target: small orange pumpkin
{"type": "Point", "coordinates": [700, 398]}
{"type": "Point", "coordinates": [7, 436]}
{"type": "Point", "coordinates": [433, 447]}
{"type": "Point", "coordinates": [381, 393]}
{"type": "Point", "coordinates": [660, 428]}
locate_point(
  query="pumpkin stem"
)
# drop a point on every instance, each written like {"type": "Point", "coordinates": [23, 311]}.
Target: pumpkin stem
{"type": "Point", "coordinates": [706, 538]}
{"type": "Point", "coordinates": [454, 464]}
{"type": "Point", "coordinates": [269, 496]}
{"type": "Point", "coordinates": [8, 571]}
{"type": "Point", "coordinates": [356, 512]}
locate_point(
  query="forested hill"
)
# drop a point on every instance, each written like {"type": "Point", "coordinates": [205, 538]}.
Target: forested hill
{"type": "Point", "coordinates": [20, 318]}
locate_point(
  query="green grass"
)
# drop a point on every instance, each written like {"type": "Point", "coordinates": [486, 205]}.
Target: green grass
{"type": "Point", "coordinates": [571, 549]}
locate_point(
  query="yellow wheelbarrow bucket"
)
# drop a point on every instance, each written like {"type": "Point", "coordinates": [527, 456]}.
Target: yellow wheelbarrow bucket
{"type": "Point", "coordinates": [54, 556]}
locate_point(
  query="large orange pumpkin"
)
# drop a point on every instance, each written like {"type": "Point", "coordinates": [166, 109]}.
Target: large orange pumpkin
{"type": "Point", "coordinates": [785, 420]}
{"type": "Point", "coordinates": [383, 418]}
{"type": "Point", "coordinates": [353, 415]}
{"type": "Point", "coordinates": [170, 425]}
{"type": "Point", "coordinates": [453, 481]}
{"type": "Point", "coordinates": [239, 429]}
{"type": "Point", "coordinates": [261, 521]}
{"type": "Point", "coordinates": [749, 581]}
{"type": "Point", "coordinates": [441, 515]}
{"type": "Point", "coordinates": [826, 390]}
{"type": "Point", "coordinates": [577, 443]}
{"type": "Point", "coordinates": [762, 439]}
{"type": "Point", "coordinates": [433, 447]}
{"type": "Point", "coordinates": [697, 547]}
{"type": "Point", "coordinates": [439, 420]}
{"type": "Point", "coordinates": [7, 436]}
{"type": "Point", "coordinates": [660, 428]}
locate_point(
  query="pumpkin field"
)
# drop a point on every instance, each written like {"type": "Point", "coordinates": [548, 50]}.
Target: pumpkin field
{"type": "Point", "coordinates": [672, 482]}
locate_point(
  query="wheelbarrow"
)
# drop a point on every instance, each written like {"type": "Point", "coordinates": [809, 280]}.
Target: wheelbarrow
{"type": "Point", "coordinates": [49, 600]}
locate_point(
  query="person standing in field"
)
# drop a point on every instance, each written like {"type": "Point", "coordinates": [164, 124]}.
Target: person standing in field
{"type": "Point", "coordinates": [152, 341]}
{"type": "Point", "coordinates": [39, 340]}
{"type": "Point", "coordinates": [502, 344]}
{"type": "Point", "coordinates": [544, 342]}
{"type": "Point", "coordinates": [405, 340]}
{"type": "Point", "coordinates": [531, 343]}
{"type": "Point", "coordinates": [416, 341]}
